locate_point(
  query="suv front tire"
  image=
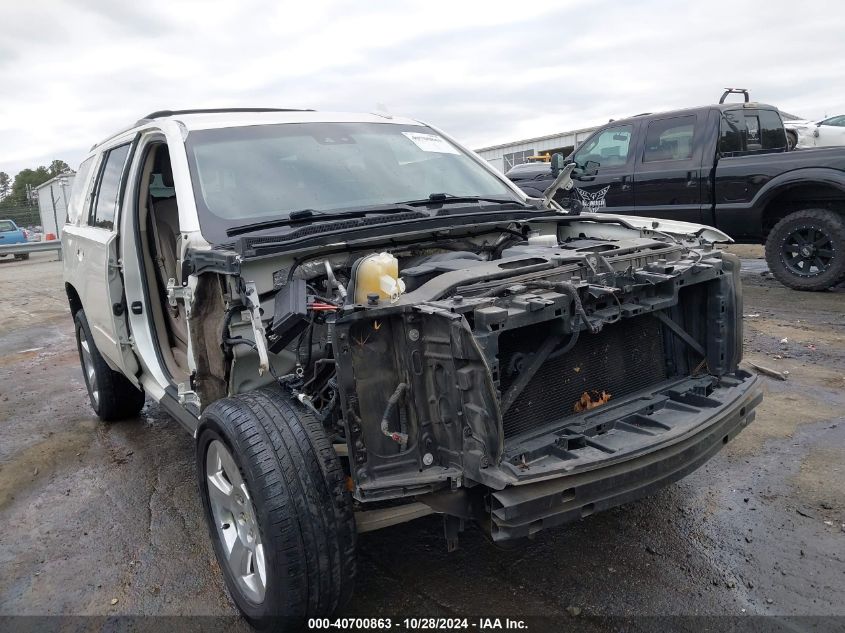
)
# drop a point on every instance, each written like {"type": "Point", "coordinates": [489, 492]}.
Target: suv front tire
{"type": "Point", "coordinates": [278, 510]}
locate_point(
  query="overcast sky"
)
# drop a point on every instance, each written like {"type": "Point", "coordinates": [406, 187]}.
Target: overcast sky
{"type": "Point", "coordinates": [73, 71]}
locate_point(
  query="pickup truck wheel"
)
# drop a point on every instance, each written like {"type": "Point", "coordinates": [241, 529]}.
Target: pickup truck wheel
{"type": "Point", "coordinates": [22, 256]}
{"type": "Point", "coordinates": [111, 394]}
{"type": "Point", "coordinates": [806, 249]}
{"type": "Point", "coordinates": [277, 507]}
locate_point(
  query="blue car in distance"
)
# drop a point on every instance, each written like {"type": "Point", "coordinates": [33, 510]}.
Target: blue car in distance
{"type": "Point", "coordinates": [11, 234]}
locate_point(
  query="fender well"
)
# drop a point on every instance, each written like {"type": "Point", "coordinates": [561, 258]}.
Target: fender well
{"type": "Point", "coordinates": [803, 194]}
{"type": "Point", "coordinates": [73, 299]}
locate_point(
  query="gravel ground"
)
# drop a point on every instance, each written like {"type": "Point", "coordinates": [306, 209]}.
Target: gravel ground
{"type": "Point", "coordinates": [104, 520]}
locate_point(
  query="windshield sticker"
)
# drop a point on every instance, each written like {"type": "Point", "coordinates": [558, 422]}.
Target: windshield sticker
{"type": "Point", "coordinates": [592, 201]}
{"type": "Point", "coordinates": [431, 143]}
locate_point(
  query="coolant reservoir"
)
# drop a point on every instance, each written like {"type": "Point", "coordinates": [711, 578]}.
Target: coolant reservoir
{"type": "Point", "coordinates": [547, 241]}
{"type": "Point", "coordinates": [379, 274]}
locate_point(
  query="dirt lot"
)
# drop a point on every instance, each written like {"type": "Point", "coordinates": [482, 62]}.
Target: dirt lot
{"type": "Point", "coordinates": [105, 519]}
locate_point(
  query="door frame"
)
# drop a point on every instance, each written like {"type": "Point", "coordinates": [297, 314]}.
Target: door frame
{"type": "Point", "coordinates": [137, 282]}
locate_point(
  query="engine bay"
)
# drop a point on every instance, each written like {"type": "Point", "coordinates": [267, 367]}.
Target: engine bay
{"type": "Point", "coordinates": [438, 362]}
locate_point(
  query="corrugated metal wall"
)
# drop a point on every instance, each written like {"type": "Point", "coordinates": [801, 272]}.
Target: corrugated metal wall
{"type": "Point", "coordinates": [495, 154]}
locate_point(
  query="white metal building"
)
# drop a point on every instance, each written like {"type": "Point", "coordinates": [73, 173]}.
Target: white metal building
{"type": "Point", "coordinates": [506, 155]}
{"type": "Point", "coordinates": [52, 203]}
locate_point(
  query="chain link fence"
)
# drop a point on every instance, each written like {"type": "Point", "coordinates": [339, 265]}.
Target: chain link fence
{"type": "Point", "coordinates": [23, 215]}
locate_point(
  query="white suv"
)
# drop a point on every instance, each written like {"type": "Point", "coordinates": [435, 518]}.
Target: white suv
{"type": "Point", "coordinates": [361, 323]}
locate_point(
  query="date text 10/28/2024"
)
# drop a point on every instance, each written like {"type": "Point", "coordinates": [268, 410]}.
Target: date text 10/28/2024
{"type": "Point", "coordinates": [417, 624]}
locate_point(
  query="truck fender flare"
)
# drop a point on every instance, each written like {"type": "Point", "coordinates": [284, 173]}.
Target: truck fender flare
{"type": "Point", "coordinates": [797, 178]}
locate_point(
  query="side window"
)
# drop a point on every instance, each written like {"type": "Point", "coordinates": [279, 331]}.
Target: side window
{"type": "Point", "coordinates": [772, 134]}
{"type": "Point", "coordinates": [730, 137]}
{"type": "Point", "coordinates": [836, 121]}
{"type": "Point", "coordinates": [608, 148]}
{"type": "Point", "coordinates": [79, 191]}
{"type": "Point", "coordinates": [669, 139]}
{"type": "Point", "coordinates": [106, 201]}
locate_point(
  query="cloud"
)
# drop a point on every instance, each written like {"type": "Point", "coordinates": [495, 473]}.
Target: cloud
{"type": "Point", "coordinates": [74, 71]}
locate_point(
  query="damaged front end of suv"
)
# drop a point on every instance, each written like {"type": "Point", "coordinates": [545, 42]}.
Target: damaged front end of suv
{"type": "Point", "coordinates": [361, 322]}
{"type": "Point", "coordinates": [518, 373]}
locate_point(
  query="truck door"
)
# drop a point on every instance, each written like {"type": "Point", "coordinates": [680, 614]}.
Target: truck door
{"type": "Point", "coordinates": [747, 137]}
{"type": "Point", "coordinates": [95, 248]}
{"type": "Point", "coordinates": [603, 172]}
{"type": "Point", "coordinates": [668, 172]}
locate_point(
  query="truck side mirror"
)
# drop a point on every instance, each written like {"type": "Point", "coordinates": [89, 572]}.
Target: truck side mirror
{"type": "Point", "coordinates": [557, 163]}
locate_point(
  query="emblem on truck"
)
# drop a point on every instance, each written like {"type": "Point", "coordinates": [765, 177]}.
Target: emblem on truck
{"type": "Point", "coordinates": [592, 201]}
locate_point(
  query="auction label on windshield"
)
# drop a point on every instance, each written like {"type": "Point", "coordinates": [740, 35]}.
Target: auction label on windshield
{"type": "Point", "coordinates": [431, 143]}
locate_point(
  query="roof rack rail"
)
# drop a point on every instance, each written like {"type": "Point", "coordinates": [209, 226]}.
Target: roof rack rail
{"type": "Point", "coordinates": [734, 91]}
{"type": "Point", "coordinates": [158, 114]}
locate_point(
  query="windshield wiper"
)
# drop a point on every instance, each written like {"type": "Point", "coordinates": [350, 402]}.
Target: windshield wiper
{"type": "Point", "coordinates": [447, 198]}
{"type": "Point", "coordinates": [304, 216]}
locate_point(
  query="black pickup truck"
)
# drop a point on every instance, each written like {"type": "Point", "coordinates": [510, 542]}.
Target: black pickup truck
{"type": "Point", "coordinates": [724, 165]}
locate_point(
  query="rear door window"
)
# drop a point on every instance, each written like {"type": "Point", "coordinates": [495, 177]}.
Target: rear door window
{"type": "Point", "coordinates": [669, 139]}
{"type": "Point", "coordinates": [106, 200]}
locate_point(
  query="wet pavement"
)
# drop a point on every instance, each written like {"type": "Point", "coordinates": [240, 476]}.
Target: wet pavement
{"type": "Point", "coordinates": [106, 520]}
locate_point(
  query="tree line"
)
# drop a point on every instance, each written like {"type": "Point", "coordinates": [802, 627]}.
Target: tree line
{"type": "Point", "coordinates": [16, 201]}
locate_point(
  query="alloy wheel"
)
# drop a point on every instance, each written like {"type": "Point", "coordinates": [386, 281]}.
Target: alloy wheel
{"type": "Point", "coordinates": [807, 251]}
{"type": "Point", "coordinates": [235, 521]}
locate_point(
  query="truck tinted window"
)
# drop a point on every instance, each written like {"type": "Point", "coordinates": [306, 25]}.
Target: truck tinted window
{"type": "Point", "coordinates": [772, 134]}
{"type": "Point", "coordinates": [7, 225]}
{"type": "Point", "coordinates": [608, 148]}
{"type": "Point", "coordinates": [108, 188]}
{"type": "Point", "coordinates": [669, 139]}
{"type": "Point", "coordinates": [730, 139]}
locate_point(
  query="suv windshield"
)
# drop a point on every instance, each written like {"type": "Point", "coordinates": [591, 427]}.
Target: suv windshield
{"type": "Point", "coordinates": [253, 174]}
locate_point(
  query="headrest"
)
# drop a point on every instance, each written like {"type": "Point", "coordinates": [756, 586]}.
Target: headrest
{"type": "Point", "coordinates": [162, 166]}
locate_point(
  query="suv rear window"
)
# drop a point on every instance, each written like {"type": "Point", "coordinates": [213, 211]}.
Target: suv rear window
{"type": "Point", "coordinates": [669, 139]}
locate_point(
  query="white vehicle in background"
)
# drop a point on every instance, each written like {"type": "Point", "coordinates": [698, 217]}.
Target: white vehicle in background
{"type": "Point", "coordinates": [802, 134]}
